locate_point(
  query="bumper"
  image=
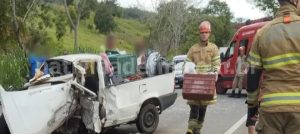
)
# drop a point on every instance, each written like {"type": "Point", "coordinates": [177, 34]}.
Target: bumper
{"type": "Point", "coordinates": [178, 80]}
{"type": "Point", "coordinates": [167, 100]}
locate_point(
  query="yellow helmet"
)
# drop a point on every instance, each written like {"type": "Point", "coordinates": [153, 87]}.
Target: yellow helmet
{"type": "Point", "coordinates": [102, 49]}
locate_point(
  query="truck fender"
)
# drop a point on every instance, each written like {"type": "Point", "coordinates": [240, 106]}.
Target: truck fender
{"type": "Point", "coordinates": [155, 101]}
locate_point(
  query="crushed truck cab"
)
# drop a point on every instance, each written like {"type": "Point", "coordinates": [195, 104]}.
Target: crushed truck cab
{"type": "Point", "coordinates": [48, 105]}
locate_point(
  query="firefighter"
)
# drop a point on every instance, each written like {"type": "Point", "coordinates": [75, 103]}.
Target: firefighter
{"type": "Point", "coordinates": [206, 57]}
{"type": "Point", "coordinates": [240, 66]}
{"type": "Point", "coordinates": [275, 54]}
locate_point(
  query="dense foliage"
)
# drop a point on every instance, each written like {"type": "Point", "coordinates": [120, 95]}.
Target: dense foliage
{"type": "Point", "coordinates": [270, 7]}
{"type": "Point", "coordinates": [104, 16]}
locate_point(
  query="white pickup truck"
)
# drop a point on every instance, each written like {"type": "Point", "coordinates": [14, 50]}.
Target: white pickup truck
{"type": "Point", "coordinates": [70, 102]}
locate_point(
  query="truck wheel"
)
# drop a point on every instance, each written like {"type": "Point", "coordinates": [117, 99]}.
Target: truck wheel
{"type": "Point", "coordinates": [3, 126]}
{"type": "Point", "coordinates": [220, 87]}
{"type": "Point", "coordinates": [148, 119]}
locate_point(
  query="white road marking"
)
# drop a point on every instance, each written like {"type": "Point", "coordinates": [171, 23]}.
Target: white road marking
{"type": "Point", "coordinates": [236, 125]}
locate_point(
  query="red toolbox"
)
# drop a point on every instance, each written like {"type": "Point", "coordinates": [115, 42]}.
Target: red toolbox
{"type": "Point", "coordinates": [198, 87]}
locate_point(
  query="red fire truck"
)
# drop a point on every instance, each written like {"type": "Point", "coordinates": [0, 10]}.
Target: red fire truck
{"type": "Point", "coordinates": [243, 37]}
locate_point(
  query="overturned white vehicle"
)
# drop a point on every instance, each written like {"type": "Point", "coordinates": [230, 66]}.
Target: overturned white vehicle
{"type": "Point", "coordinates": [73, 101]}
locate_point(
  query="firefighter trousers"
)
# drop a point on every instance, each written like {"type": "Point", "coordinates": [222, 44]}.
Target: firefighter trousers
{"type": "Point", "coordinates": [238, 81]}
{"type": "Point", "coordinates": [197, 115]}
{"type": "Point", "coordinates": [278, 123]}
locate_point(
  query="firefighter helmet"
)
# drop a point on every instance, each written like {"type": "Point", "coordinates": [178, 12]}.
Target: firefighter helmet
{"type": "Point", "coordinates": [204, 27]}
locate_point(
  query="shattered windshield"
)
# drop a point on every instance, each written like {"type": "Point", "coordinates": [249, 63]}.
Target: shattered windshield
{"type": "Point", "coordinates": [58, 67]}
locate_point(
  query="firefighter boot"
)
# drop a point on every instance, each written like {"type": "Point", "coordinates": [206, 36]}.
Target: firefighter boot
{"type": "Point", "coordinates": [232, 94]}
{"type": "Point", "coordinates": [197, 131]}
{"type": "Point", "coordinates": [190, 131]}
{"type": "Point", "coordinates": [199, 127]}
{"type": "Point", "coordinates": [239, 94]}
{"type": "Point", "coordinates": [192, 126]}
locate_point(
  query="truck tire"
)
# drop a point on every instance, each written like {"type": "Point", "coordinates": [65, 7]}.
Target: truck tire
{"type": "Point", "coordinates": [220, 89]}
{"type": "Point", "coordinates": [3, 126]}
{"type": "Point", "coordinates": [148, 119]}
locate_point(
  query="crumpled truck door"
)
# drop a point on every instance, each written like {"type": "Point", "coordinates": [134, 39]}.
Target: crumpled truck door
{"type": "Point", "coordinates": [39, 110]}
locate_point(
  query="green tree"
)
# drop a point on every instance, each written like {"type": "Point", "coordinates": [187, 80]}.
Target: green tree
{"type": "Point", "coordinates": [137, 14]}
{"type": "Point", "coordinates": [248, 22]}
{"type": "Point", "coordinates": [81, 9]}
{"type": "Point", "coordinates": [104, 16]}
{"type": "Point", "coordinates": [23, 24]}
{"type": "Point", "coordinates": [104, 22]}
{"type": "Point", "coordinates": [90, 5]}
{"type": "Point", "coordinates": [60, 25]}
{"type": "Point", "coordinates": [20, 13]}
{"type": "Point", "coordinates": [29, 30]}
{"type": "Point", "coordinates": [270, 7]}
{"type": "Point", "coordinates": [72, 12]}
{"type": "Point", "coordinates": [218, 8]}
{"type": "Point", "coordinates": [219, 14]}
{"type": "Point", "coordinates": [240, 20]}
{"type": "Point", "coordinates": [192, 33]}
{"type": "Point", "coordinates": [69, 2]}
{"type": "Point", "coordinates": [169, 25]}
{"type": "Point", "coordinates": [7, 33]}
{"type": "Point", "coordinates": [36, 29]}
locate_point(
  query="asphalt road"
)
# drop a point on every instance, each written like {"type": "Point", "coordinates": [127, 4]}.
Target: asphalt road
{"type": "Point", "coordinates": [225, 117]}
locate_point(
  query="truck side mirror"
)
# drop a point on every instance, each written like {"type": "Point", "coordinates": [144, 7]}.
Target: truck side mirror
{"type": "Point", "coordinates": [222, 56]}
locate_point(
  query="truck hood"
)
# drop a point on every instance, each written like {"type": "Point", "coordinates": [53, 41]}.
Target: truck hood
{"type": "Point", "coordinates": [38, 110]}
{"type": "Point", "coordinates": [64, 78]}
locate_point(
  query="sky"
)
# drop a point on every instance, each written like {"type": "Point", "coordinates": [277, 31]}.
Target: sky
{"type": "Point", "coordinates": [240, 8]}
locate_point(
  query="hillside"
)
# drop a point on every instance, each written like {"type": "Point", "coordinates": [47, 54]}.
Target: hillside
{"type": "Point", "coordinates": [127, 32]}
{"type": "Point", "coordinates": [135, 13]}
